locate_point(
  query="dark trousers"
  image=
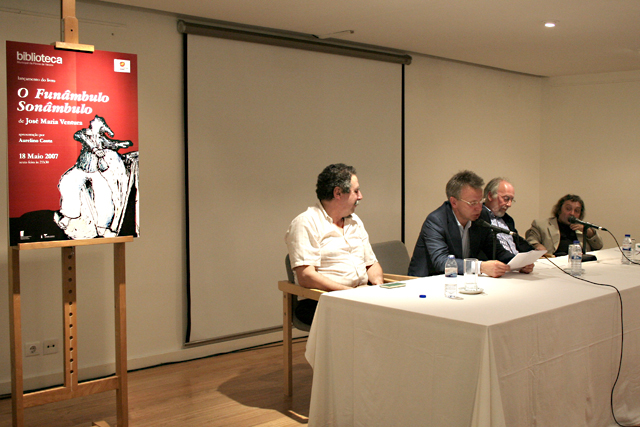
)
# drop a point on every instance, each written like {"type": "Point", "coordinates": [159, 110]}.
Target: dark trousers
{"type": "Point", "coordinates": [305, 310]}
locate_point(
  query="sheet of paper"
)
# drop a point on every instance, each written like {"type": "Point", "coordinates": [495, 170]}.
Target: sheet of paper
{"type": "Point", "coordinates": [525, 258]}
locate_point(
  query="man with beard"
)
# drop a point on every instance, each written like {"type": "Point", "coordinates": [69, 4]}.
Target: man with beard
{"type": "Point", "coordinates": [555, 234]}
{"type": "Point", "coordinates": [328, 245]}
{"type": "Point", "coordinates": [499, 195]}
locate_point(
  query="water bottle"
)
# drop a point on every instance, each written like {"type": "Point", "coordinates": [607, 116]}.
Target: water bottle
{"type": "Point", "coordinates": [575, 258]}
{"type": "Point", "coordinates": [450, 277]}
{"type": "Point", "coordinates": [626, 249]}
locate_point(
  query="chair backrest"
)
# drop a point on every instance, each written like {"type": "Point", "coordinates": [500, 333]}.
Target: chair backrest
{"type": "Point", "coordinates": [297, 323]}
{"type": "Point", "coordinates": [392, 256]}
{"type": "Point", "coordinates": [287, 264]}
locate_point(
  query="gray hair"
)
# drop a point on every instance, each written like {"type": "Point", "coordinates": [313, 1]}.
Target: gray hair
{"type": "Point", "coordinates": [492, 187]}
{"type": "Point", "coordinates": [459, 180]}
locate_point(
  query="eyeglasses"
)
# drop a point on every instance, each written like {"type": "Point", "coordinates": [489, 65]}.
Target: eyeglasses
{"type": "Point", "coordinates": [473, 204]}
{"type": "Point", "coordinates": [507, 199]}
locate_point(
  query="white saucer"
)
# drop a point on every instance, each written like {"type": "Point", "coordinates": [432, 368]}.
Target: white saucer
{"type": "Point", "coordinates": [466, 292]}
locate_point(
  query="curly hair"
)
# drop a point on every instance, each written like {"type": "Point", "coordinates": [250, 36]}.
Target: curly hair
{"type": "Point", "coordinates": [459, 180]}
{"type": "Point", "coordinates": [336, 175]}
{"type": "Point", "coordinates": [569, 197]}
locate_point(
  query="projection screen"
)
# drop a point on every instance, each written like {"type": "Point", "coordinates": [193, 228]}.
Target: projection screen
{"type": "Point", "coordinates": [262, 122]}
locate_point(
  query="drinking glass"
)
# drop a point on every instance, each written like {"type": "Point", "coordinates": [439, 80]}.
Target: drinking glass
{"type": "Point", "coordinates": [471, 267]}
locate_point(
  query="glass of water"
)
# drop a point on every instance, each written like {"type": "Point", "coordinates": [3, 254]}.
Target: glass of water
{"type": "Point", "coordinates": [471, 274]}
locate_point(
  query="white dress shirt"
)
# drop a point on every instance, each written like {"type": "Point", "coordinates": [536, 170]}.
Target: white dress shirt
{"type": "Point", "coordinates": [341, 254]}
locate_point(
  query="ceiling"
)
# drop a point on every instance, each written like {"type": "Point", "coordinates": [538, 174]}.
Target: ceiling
{"type": "Point", "coordinates": [591, 36]}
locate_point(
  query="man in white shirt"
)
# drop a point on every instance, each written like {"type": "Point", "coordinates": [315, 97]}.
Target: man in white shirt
{"type": "Point", "coordinates": [328, 245]}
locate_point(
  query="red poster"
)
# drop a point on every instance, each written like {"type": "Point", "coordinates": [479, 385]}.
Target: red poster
{"type": "Point", "coordinates": [73, 143]}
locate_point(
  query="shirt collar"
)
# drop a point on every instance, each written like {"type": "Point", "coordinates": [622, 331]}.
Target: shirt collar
{"type": "Point", "coordinates": [466, 227]}
{"type": "Point", "coordinates": [326, 215]}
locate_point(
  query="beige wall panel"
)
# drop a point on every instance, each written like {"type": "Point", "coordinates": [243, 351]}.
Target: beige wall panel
{"type": "Point", "coordinates": [590, 146]}
{"type": "Point", "coordinates": [466, 117]}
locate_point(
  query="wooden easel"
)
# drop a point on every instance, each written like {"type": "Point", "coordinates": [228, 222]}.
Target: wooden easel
{"type": "Point", "coordinates": [70, 29]}
{"type": "Point", "coordinates": [71, 388]}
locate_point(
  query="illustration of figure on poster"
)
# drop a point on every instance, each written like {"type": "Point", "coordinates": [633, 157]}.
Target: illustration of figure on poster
{"type": "Point", "coordinates": [94, 193]}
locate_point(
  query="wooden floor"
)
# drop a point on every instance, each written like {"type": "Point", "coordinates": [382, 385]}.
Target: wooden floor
{"type": "Point", "coordinates": [239, 389]}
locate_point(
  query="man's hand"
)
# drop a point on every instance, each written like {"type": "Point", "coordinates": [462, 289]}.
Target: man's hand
{"type": "Point", "coordinates": [540, 247]}
{"type": "Point", "coordinates": [580, 228]}
{"type": "Point", "coordinates": [374, 272]}
{"type": "Point", "coordinates": [494, 268]}
{"type": "Point", "coordinates": [527, 269]}
{"type": "Point", "coordinates": [576, 227]}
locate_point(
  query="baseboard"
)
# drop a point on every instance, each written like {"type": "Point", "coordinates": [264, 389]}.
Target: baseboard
{"type": "Point", "coordinates": [87, 373]}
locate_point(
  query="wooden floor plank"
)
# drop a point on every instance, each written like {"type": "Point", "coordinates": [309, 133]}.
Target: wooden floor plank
{"type": "Point", "coordinates": [242, 389]}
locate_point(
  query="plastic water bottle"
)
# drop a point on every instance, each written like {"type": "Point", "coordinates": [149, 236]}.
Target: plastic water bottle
{"type": "Point", "coordinates": [450, 277]}
{"type": "Point", "coordinates": [575, 258]}
{"type": "Point", "coordinates": [626, 249]}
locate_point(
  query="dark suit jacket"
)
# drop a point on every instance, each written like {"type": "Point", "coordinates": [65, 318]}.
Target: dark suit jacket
{"type": "Point", "coordinates": [440, 236]}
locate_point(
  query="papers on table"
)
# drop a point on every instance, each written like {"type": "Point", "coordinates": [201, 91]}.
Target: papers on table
{"type": "Point", "coordinates": [525, 258]}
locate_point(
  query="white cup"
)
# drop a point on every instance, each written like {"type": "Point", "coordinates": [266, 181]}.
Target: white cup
{"type": "Point", "coordinates": [471, 271]}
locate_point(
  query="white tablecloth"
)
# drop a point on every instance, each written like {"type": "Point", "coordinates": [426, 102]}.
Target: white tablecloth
{"type": "Point", "coordinates": [532, 350]}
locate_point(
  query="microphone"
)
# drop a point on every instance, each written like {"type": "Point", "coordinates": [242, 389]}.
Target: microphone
{"type": "Point", "coordinates": [483, 223]}
{"type": "Point", "coordinates": [574, 220]}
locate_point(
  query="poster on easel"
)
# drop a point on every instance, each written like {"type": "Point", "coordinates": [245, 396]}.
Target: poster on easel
{"type": "Point", "coordinates": [72, 144]}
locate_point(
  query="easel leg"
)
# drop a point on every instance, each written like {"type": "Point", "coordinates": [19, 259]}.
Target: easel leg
{"type": "Point", "coordinates": [69, 318]}
{"type": "Point", "coordinates": [15, 316]}
{"type": "Point", "coordinates": [287, 344]}
{"type": "Point", "coordinates": [122, 394]}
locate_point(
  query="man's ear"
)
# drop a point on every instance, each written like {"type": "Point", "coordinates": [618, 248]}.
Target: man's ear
{"type": "Point", "coordinates": [336, 192]}
{"type": "Point", "coordinates": [453, 201]}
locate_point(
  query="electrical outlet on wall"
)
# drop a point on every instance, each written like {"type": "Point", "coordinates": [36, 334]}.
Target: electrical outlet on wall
{"type": "Point", "coordinates": [33, 348]}
{"type": "Point", "coordinates": [51, 346]}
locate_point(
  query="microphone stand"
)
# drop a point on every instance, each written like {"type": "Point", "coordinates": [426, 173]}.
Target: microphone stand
{"type": "Point", "coordinates": [586, 257]}
{"type": "Point", "coordinates": [495, 238]}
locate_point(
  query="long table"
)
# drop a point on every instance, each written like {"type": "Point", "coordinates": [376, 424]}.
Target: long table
{"type": "Point", "coordinates": [532, 350]}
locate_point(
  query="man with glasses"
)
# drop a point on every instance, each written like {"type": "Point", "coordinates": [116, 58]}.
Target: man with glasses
{"type": "Point", "coordinates": [450, 230]}
{"type": "Point", "coordinates": [499, 196]}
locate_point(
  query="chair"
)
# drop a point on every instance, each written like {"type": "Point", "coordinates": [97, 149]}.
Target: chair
{"type": "Point", "coordinates": [297, 323]}
{"type": "Point", "coordinates": [394, 259]}
{"type": "Point", "coordinates": [392, 256]}
{"type": "Point", "coordinates": [290, 293]}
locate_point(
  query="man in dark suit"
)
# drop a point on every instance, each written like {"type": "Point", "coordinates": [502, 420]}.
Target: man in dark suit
{"type": "Point", "coordinates": [499, 195]}
{"type": "Point", "coordinates": [450, 230]}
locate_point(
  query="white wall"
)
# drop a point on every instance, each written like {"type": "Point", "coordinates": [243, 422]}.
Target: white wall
{"type": "Point", "coordinates": [591, 147]}
{"type": "Point", "coordinates": [460, 117]}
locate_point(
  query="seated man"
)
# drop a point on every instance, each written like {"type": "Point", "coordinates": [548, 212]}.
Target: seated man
{"type": "Point", "coordinates": [450, 230]}
{"type": "Point", "coordinates": [499, 195]}
{"type": "Point", "coordinates": [328, 245]}
{"type": "Point", "coordinates": [555, 234]}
